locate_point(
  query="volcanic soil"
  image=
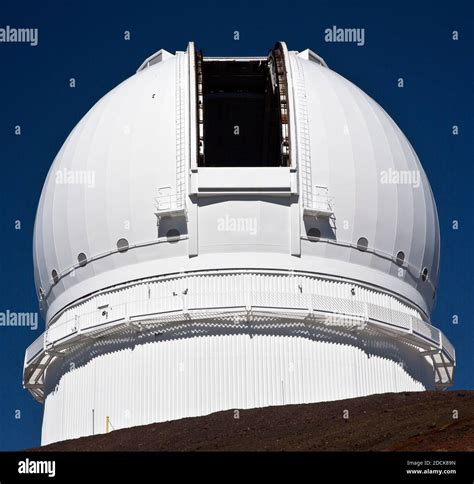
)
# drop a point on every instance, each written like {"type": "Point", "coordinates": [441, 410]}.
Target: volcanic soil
{"type": "Point", "coordinates": [415, 421]}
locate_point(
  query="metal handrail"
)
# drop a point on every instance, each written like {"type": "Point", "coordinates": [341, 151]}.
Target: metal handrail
{"type": "Point", "coordinates": [321, 200]}
{"type": "Point", "coordinates": [166, 199]}
{"type": "Point", "coordinates": [225, 300]}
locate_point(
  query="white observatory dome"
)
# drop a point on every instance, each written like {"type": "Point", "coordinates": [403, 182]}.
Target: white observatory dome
{"type": "Point", "coordinates": [230, 233]}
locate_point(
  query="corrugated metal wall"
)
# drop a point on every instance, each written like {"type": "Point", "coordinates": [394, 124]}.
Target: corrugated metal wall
{"type": "Point", "coordinates": [215, 290]}
{"type": "Point", "coordinates": [136, 384]}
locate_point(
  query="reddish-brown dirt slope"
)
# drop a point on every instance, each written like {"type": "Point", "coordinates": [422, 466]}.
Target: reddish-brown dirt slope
{"type": "Point", "coordinates": [388, 422]}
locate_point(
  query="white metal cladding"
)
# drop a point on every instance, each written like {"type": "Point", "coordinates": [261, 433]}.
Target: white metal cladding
{"type": "Point", "coordinates": [136, 384]}
{"type": "Point", "coordinates": [135, 140]}
{"type": "Point", "coordinates": [348, 126]}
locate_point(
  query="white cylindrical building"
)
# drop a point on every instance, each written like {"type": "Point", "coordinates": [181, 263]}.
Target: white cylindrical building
{"type": "Point", "coordinates": [223, 233]}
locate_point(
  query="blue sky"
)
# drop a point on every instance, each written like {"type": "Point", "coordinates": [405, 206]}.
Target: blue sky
{"type": "Point", "coordinates": [85, 41]}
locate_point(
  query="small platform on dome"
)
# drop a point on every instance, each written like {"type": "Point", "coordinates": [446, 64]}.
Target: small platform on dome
{"type": "Point", "coordinates": [168, 205]}
{"type": "Point", "coordinates": [321, 204]}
